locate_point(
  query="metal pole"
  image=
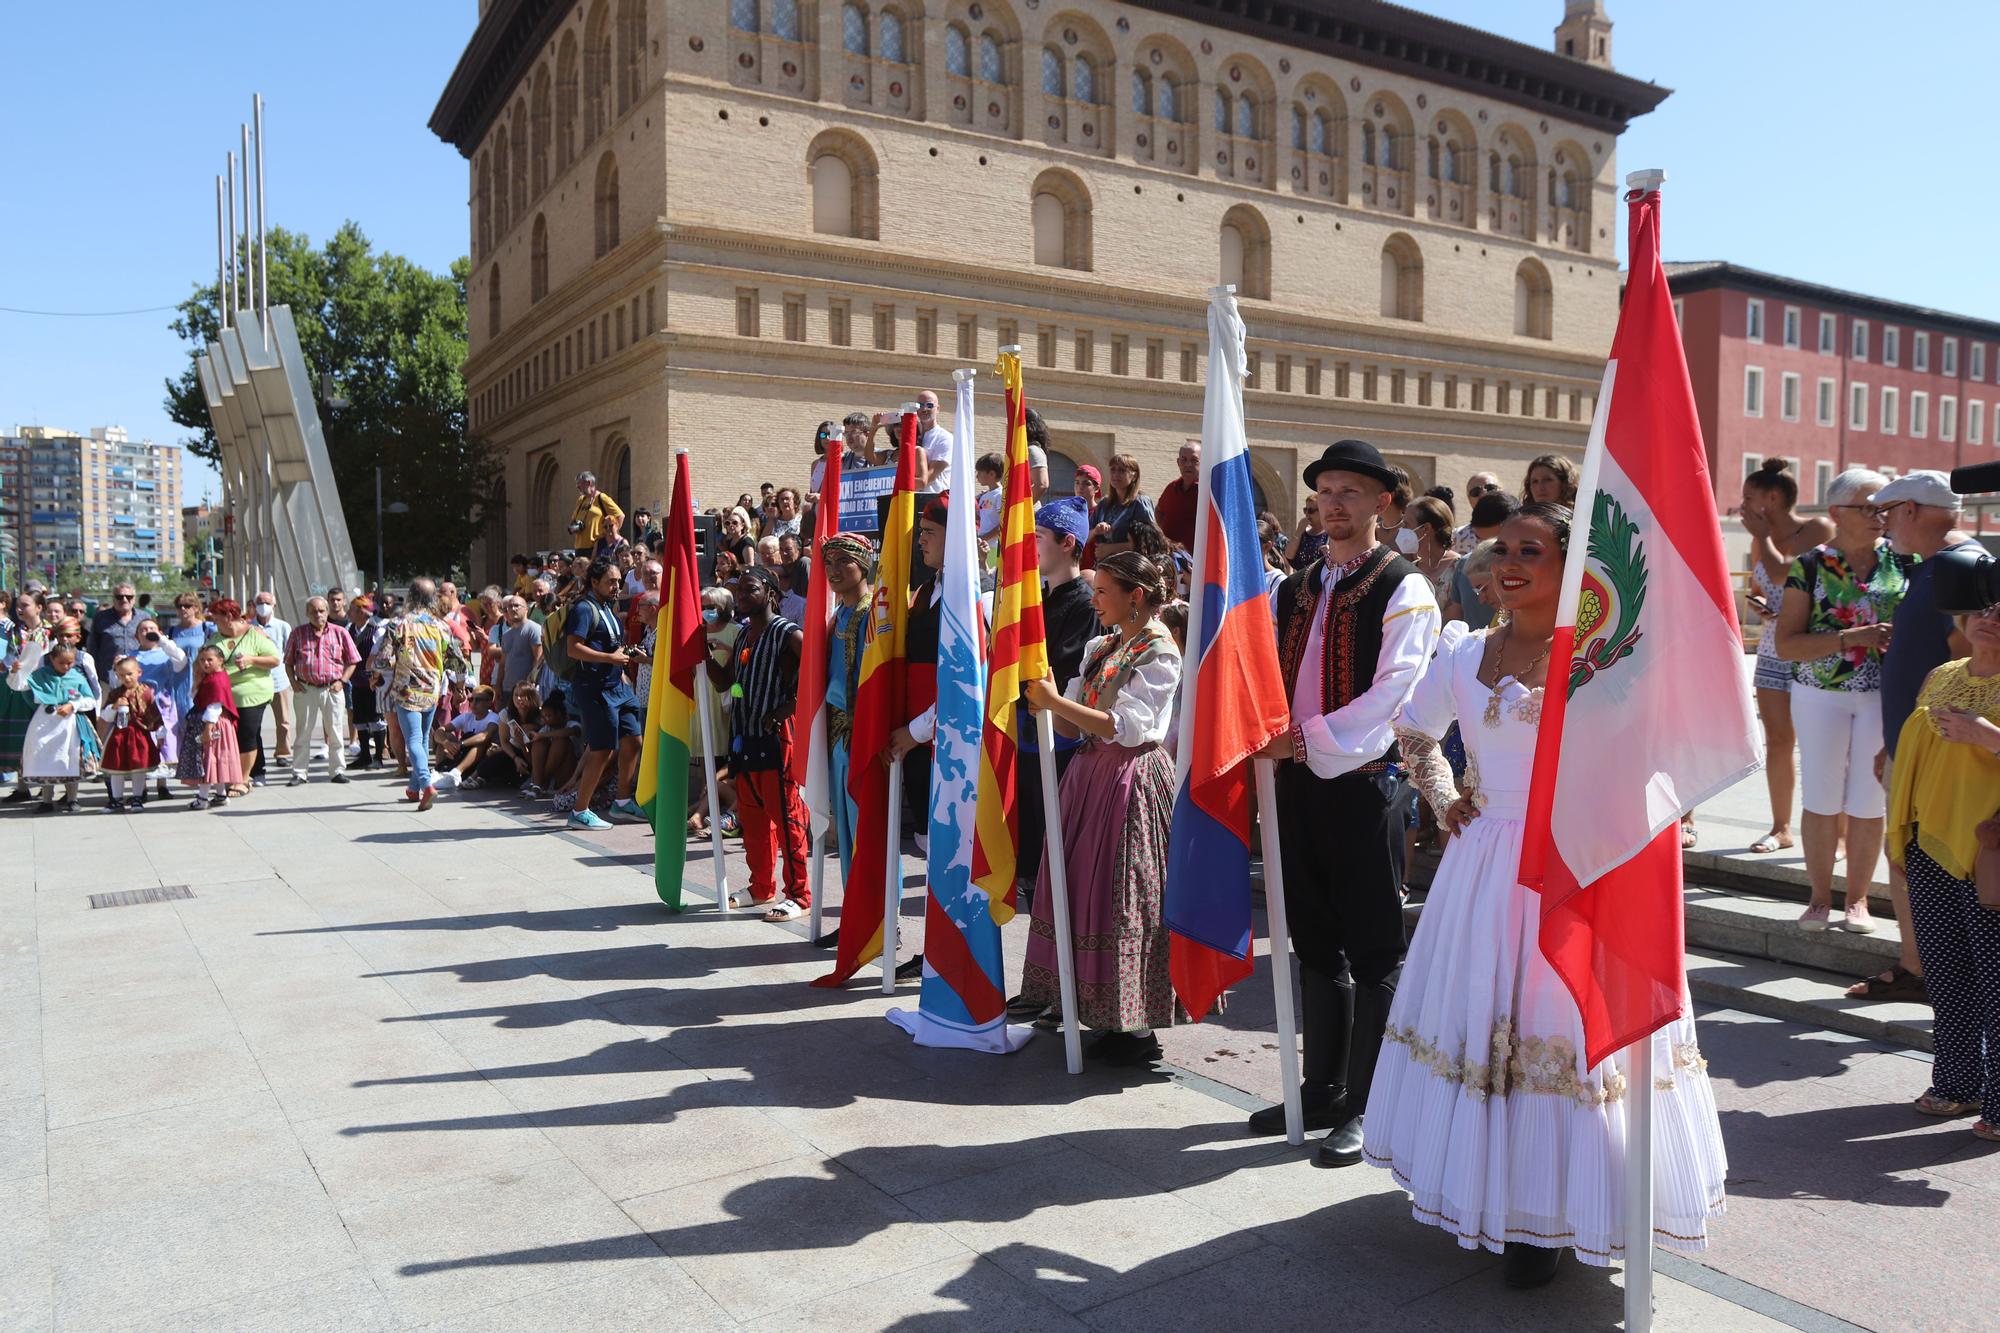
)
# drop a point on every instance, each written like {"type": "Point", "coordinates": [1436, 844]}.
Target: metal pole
{"type": "Point", "coordinates": [230, 212]}
{"type": "Point", "coordinates": [221, 266]}
{"type": "Point", "coordinates": [704, 692]}
{"type": "Point", "coordinates": [892, 885]}
{"type": "Point", "coordinates": [1639, 1186]}
{"type": "Point", "coordinates": [1045, 737]}
{"type": "Point", "coordinates": [819, 857]}
{"type": "Point", "coordinates": [1281, 952]}
{"type": "Point", "coordinates": [380, 577]}
{"type": "Point", "coordinates": [263, 267]}
{"type": "Point", "coordinates": [249, 266]}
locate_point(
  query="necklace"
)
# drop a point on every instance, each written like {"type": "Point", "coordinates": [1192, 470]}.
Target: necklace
{"type": "Point", "coordinates": [1491, 718]}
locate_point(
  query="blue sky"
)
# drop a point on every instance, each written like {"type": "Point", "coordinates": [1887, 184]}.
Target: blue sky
{"type": "Point", "coordinates": [1805, 138]}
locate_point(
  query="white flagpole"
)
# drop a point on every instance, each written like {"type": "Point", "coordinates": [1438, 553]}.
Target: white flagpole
{"type": "Point", "coordinates": [1639, 1186]}
{"type": "Point", "coordinates": [892, 886]}
{"type": "Point", "coordinates": [819, 834]}
{"type": "Point", "coordinates": [1045, 736]}
{"type": "Point", "coordinates": [703, 693]}
{"type": "Point", "coordinates": [1281, 952]}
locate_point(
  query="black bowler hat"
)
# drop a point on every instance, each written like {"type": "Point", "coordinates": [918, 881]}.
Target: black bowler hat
{"type": "Point", "coordinates": [1351, 456]}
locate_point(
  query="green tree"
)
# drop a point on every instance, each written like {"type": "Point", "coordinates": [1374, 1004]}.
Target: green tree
{"type": "Point", "coordinates": [392, 334]}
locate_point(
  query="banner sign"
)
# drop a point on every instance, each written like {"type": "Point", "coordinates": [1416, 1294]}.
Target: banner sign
{"type": "Point", "coordinates": [860, 492]}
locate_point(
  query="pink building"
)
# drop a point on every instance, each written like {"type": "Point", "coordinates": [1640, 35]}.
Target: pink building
{"type": "Point", "coordinates": [1831, 379]}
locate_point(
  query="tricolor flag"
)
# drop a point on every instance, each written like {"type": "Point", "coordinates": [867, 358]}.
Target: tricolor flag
{"type": "Point", "coordinates": [1655, 715]}
{"type": "Point", "coordinates": [679, 645]}
{"type": "Point", "coordinates": [809, 757]}
{"type": "Point", "coordinates": [1017, 652]}
{"type": "Point", "coordinates": [880, 706]}
{"type": "Point", "coordinates": [1233, 699]}
{"type": "Point", "coordinates": [962, 1003]}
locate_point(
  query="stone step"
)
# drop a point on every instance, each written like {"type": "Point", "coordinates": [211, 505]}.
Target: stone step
{"type": "Point", "coordinates": [1803, 995]}
{"type": "Point", "coordinates": [1757, 925]}
{"type": "Point", "coordinates": [1777, 875]}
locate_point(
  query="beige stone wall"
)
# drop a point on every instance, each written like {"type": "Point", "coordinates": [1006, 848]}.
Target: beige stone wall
{"type": "Point", "coordinates": [681, 336]}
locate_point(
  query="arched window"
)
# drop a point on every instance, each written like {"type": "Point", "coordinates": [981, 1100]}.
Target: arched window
{"type": "Point", "coordinates": [485, 193]}
{"type": "Point", "coordinates": [1083, 81]}
{"type": "Point", "coordinates": [1534, 301]}
{"type": "Point", "coordinates": [1323, 138]}
{"type": "Point", "coordinates": [597, 72]}
{"type": "Point", "coordinates": [1246, 117]}
{"type": "Point", "coordinates": [854, 28]}
{"type": "Point", "coordinates": [1142, 92]}
{"type": "Point", "coordinates": [538, 260]}
{"type": "Point", "coordinates": [503, 175]}
{"type": "Point", "coordinates": [1246, 252]}
{"type": "Point", "coordinates": [544, 520]}
{"type": "Point", "coordinates": [842, 176]}
{"type": "Point", "coordinates": [1052, 72]}
{"type": "Point", "coordinates": [743, 15]}
{"type": "Point", "coordinates": [539, 126]}
{"type": "Point", "coordinates": [1367, 144]}
{"type": "Point", "coordinates": [1060, 212]}
{"type": "Point", "coordinates": [1391, 156]}
{"type": "Point", "coordinates": [1221, 112]}
{"type": "Point", "coordinates": [493, 302]}
{"type": "Point", "coordinates": [607, 205]}
{"type": "Point", "coordinates": [992, 69]}
{"type": "Point", "coordinates": [892, 37]}
{"type": "Point", "coordinates": [957, 51]}
{"type": "Point", "coordinates": [1402, 279]}
{"type": "Point", "coordinates": [519, 194]}
{"type": "Point", "coordinates": [1167, 107]}
{"type": "Point", "coordinates": [566, 87]}
{"type": "Point", "coordinates": [631, 52]}
{"type": "Point", "coordinates": [1433, 159]}
{"type": "Point", "coordinates": [1298, 127]}
{"type": "Point", "coordinates": [785, 20]}
{"type": "Point", "coordinates": [617, 470]}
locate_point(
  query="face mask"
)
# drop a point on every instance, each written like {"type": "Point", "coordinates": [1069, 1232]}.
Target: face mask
{"type": "Point", "coordinates": [711, 615]}
{"type": "Point", "coordinates": [1406, 540]}
{"type": "Point", "coordinates": [263, 610]}
{"type": "Point", "coordinates": [534, 571]}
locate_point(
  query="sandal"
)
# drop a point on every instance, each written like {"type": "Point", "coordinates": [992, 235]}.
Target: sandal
{"type": "Point", "coordinates": [1688, 835]}
{"type": "Point", "coordinates": [1898, 983]}
{"type": "Point", "coordinates": [1983, 1129]}
{"type": "Point", "coordinates": [786, 910]}
{"type": "Point", "coordinates": [741, 901]}
{"type": "Point", "coordinates": [1942, 1107]}
{"type": "Point", "coordinates": [1050, 1021]}
{"type": "Point", "coordinates": [1770, 842]}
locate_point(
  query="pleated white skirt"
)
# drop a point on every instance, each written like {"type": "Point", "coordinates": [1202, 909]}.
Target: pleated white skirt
{"type": "Point", "coordinates": [1481, 1108]}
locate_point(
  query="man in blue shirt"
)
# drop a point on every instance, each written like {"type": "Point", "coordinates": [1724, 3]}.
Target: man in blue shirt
{"type": "Point", "coordinates": [600, 697]}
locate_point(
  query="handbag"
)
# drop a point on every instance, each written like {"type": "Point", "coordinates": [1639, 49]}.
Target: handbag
{"type": "Point", "coordinates": [1986, 864]}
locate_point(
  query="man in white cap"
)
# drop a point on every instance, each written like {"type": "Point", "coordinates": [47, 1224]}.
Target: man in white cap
{"type": "Point", "coordinates": [1921, 514]}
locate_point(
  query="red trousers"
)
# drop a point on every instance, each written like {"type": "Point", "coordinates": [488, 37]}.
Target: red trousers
{"type": "Point", "coordinates": [773, 819]}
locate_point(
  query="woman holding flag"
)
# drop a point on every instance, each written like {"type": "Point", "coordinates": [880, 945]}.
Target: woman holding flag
{"type": "Point", "coordinates": [1483, 1107]}
{"type": "Point", "coordinates": [1118, 801]}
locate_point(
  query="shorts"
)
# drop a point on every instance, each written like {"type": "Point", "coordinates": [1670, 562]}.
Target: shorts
{"type": "Point", "coordinates": [1773, 673]}
{"type": "Point", "coordinates": [608, 716]}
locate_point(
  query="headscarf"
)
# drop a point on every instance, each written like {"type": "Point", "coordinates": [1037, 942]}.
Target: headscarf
{"type": "Point", "coordinates": [852, 545]}
{"type": "Point", "coordinates": [1068, 515]}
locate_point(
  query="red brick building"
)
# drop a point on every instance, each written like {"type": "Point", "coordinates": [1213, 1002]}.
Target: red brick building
{"type": "Point", "coordinates": [1831, 379]}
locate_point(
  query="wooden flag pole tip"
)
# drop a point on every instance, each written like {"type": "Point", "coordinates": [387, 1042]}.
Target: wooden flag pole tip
{"type": "Point", "coordinates": [1011, 349]}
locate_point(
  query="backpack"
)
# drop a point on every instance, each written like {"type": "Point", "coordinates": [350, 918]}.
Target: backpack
{"type": "Point", "coordinates": [555, 640]}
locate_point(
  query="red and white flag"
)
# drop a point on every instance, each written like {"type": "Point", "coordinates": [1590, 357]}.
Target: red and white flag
{"type": "Point", "coordinates": [809, 758]}
{"type": "Point", "coordinates": [1655, 716]}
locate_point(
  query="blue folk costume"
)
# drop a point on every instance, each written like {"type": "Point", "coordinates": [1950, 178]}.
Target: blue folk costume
{"type": "Point", "coordinates": [56, 746]}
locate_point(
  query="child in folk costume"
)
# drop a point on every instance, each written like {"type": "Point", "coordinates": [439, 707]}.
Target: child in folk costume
{"type": "Point", "coordinates": [53, 749]}
{"type": "Point", "coordinates": [1117, 804]}
{"type": "Point", "coordinates": [210, 761]}
{"type": "Point", "coordinates": [21, 647]}
{"type": "Point", "coordinates": [128, 719]}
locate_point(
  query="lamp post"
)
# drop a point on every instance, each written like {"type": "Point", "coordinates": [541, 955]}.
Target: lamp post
{"type": "Point", "coordinates": [396, 507]}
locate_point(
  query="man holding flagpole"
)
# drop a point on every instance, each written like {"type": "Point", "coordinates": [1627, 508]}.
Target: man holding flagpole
{"type": "Point", "coordinates": [1542, 1042]}
{"type": "Point", "coordinates": [1355, 631]}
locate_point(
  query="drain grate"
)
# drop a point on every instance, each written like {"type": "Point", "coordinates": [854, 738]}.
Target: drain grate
{"type": "Point", "coordinates": [133, 897]}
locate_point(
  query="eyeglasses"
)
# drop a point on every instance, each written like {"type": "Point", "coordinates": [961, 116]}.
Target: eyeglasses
{"type": "Point", "coordinates": [121, 596]}
{"type": "Point", "coordinates": [1869, 510]}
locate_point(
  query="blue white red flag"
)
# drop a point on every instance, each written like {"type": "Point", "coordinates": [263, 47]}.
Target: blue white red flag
{"type": "Point", "coordinates": [1233, 697]}
{"type": "Point", "coordinates": [962, 1003]}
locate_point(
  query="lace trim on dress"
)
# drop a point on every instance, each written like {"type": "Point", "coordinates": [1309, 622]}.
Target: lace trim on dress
{"type": "Point", "coordinates": [1531, 1064]}
{"type": "Point", "coordinates": [1430, 771]}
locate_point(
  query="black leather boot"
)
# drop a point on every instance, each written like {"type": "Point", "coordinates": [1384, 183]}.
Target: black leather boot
{"type": "Point", "coordinates": [1371, 1015]}
{"type": "Point", "coordinates": [1327, 1015]}
{"type": "Point", "coordinates": [1525, 1266]}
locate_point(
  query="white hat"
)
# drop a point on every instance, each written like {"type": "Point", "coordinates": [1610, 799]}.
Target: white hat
{"type": "Point", "coordinates": [1924, 488]}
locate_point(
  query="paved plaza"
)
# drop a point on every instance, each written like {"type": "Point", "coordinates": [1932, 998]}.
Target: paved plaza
{"type": "Point", "coordinates": [385, 1070]}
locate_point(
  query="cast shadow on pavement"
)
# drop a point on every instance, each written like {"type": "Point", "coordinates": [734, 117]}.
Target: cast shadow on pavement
{"type": "Point", "coordinates": [1860, 1152]}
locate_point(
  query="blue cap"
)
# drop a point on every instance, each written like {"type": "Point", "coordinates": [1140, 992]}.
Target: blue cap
{"type": "Point", "coordinates": [1069, 515]}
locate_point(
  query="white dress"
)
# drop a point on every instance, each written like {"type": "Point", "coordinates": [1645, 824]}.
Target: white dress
{"type": "Point", "coordinates": [1481, 1107]}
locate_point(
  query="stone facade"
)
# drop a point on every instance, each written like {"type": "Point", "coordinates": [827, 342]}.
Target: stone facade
{"type": "Point", "coordinates": [713, 223]}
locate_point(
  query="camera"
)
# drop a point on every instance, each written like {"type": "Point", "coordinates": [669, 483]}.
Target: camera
{"type": "Point", "coordinates": [576, 526]}
{"type": "Point", "coordinates": [1965, 580]}
{"type": "Point", "coordinates": [153, 636]}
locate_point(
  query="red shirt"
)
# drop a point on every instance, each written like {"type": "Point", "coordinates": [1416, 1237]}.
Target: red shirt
{"type": "Point", "coordinates": [1175, 510]}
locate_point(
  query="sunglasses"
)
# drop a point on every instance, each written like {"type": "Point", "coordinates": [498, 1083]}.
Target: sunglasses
{"type": "Point", "coordinates": [121, 596]}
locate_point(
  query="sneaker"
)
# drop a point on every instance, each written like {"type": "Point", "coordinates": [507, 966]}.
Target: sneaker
{"type": "Point", "coordinates": [473, 783]}
{"type": "Point", "coordinates": [136, 806]}
{"type": "Point", "coordinates": [585, 819]}
{"type": "Point", "coordinates": [69, 805]}
{"type": "Point", "coordinates": [114, 806]}
{"type": "Point", "coordinates": [340, 778]}
{"type": "Point", "coordinates": [18, 795]}
{"type": "Point", "coordinates": [628, 808]}
{"type": "Point", "coordinates": [533, 791]}
{"type": "Point", "coordinates": [730, 828]}
{"type": "Point", "coordinates": [1814, 918]}
{"type": "Point", "coordinates": [199, 803]}
{"type": "Point", "coordinates": [298, 779]}
{"type": "Point", "coordinates": [1857, 920]}
{"type": "Point", "coordinates": [259, 781]}
{"type": "Point", "coordinates": [446, 781]}
{"type": "Point", "coordinates": [45, 807]}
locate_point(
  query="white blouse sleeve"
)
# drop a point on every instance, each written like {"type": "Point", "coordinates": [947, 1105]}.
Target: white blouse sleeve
{"type": "Point", "coordinates": [1433, 705]}
{"type": "Point", "coordinates": [211, 714]}
{"type": "Point", "coordinates": [176, 654]}
{"type": "Point", "coordinates": [1359, 732]}
{"type": "Point", "coordinates": [1143, 709]}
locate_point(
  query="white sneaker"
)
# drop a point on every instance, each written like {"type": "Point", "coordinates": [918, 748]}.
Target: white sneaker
{"type": "Point", "coordinates": [446, 781]}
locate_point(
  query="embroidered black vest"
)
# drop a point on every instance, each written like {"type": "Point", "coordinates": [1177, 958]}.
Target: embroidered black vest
{"type": "Point", "coordinates": [1352, 643]}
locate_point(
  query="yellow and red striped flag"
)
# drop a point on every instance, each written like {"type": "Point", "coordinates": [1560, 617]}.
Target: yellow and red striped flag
{"type": "Point", "coordinates": [1017, 652]}
{"type": "Point", "coordinates": [679, 647]}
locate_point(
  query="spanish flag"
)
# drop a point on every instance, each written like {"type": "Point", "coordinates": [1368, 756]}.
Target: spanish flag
{"type": "Point", "coordinates": [1017, 652]}
{"type": "Point", "coordinates": [679, 646]}
{"type": "Point", "coordinates": [880, 706]}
